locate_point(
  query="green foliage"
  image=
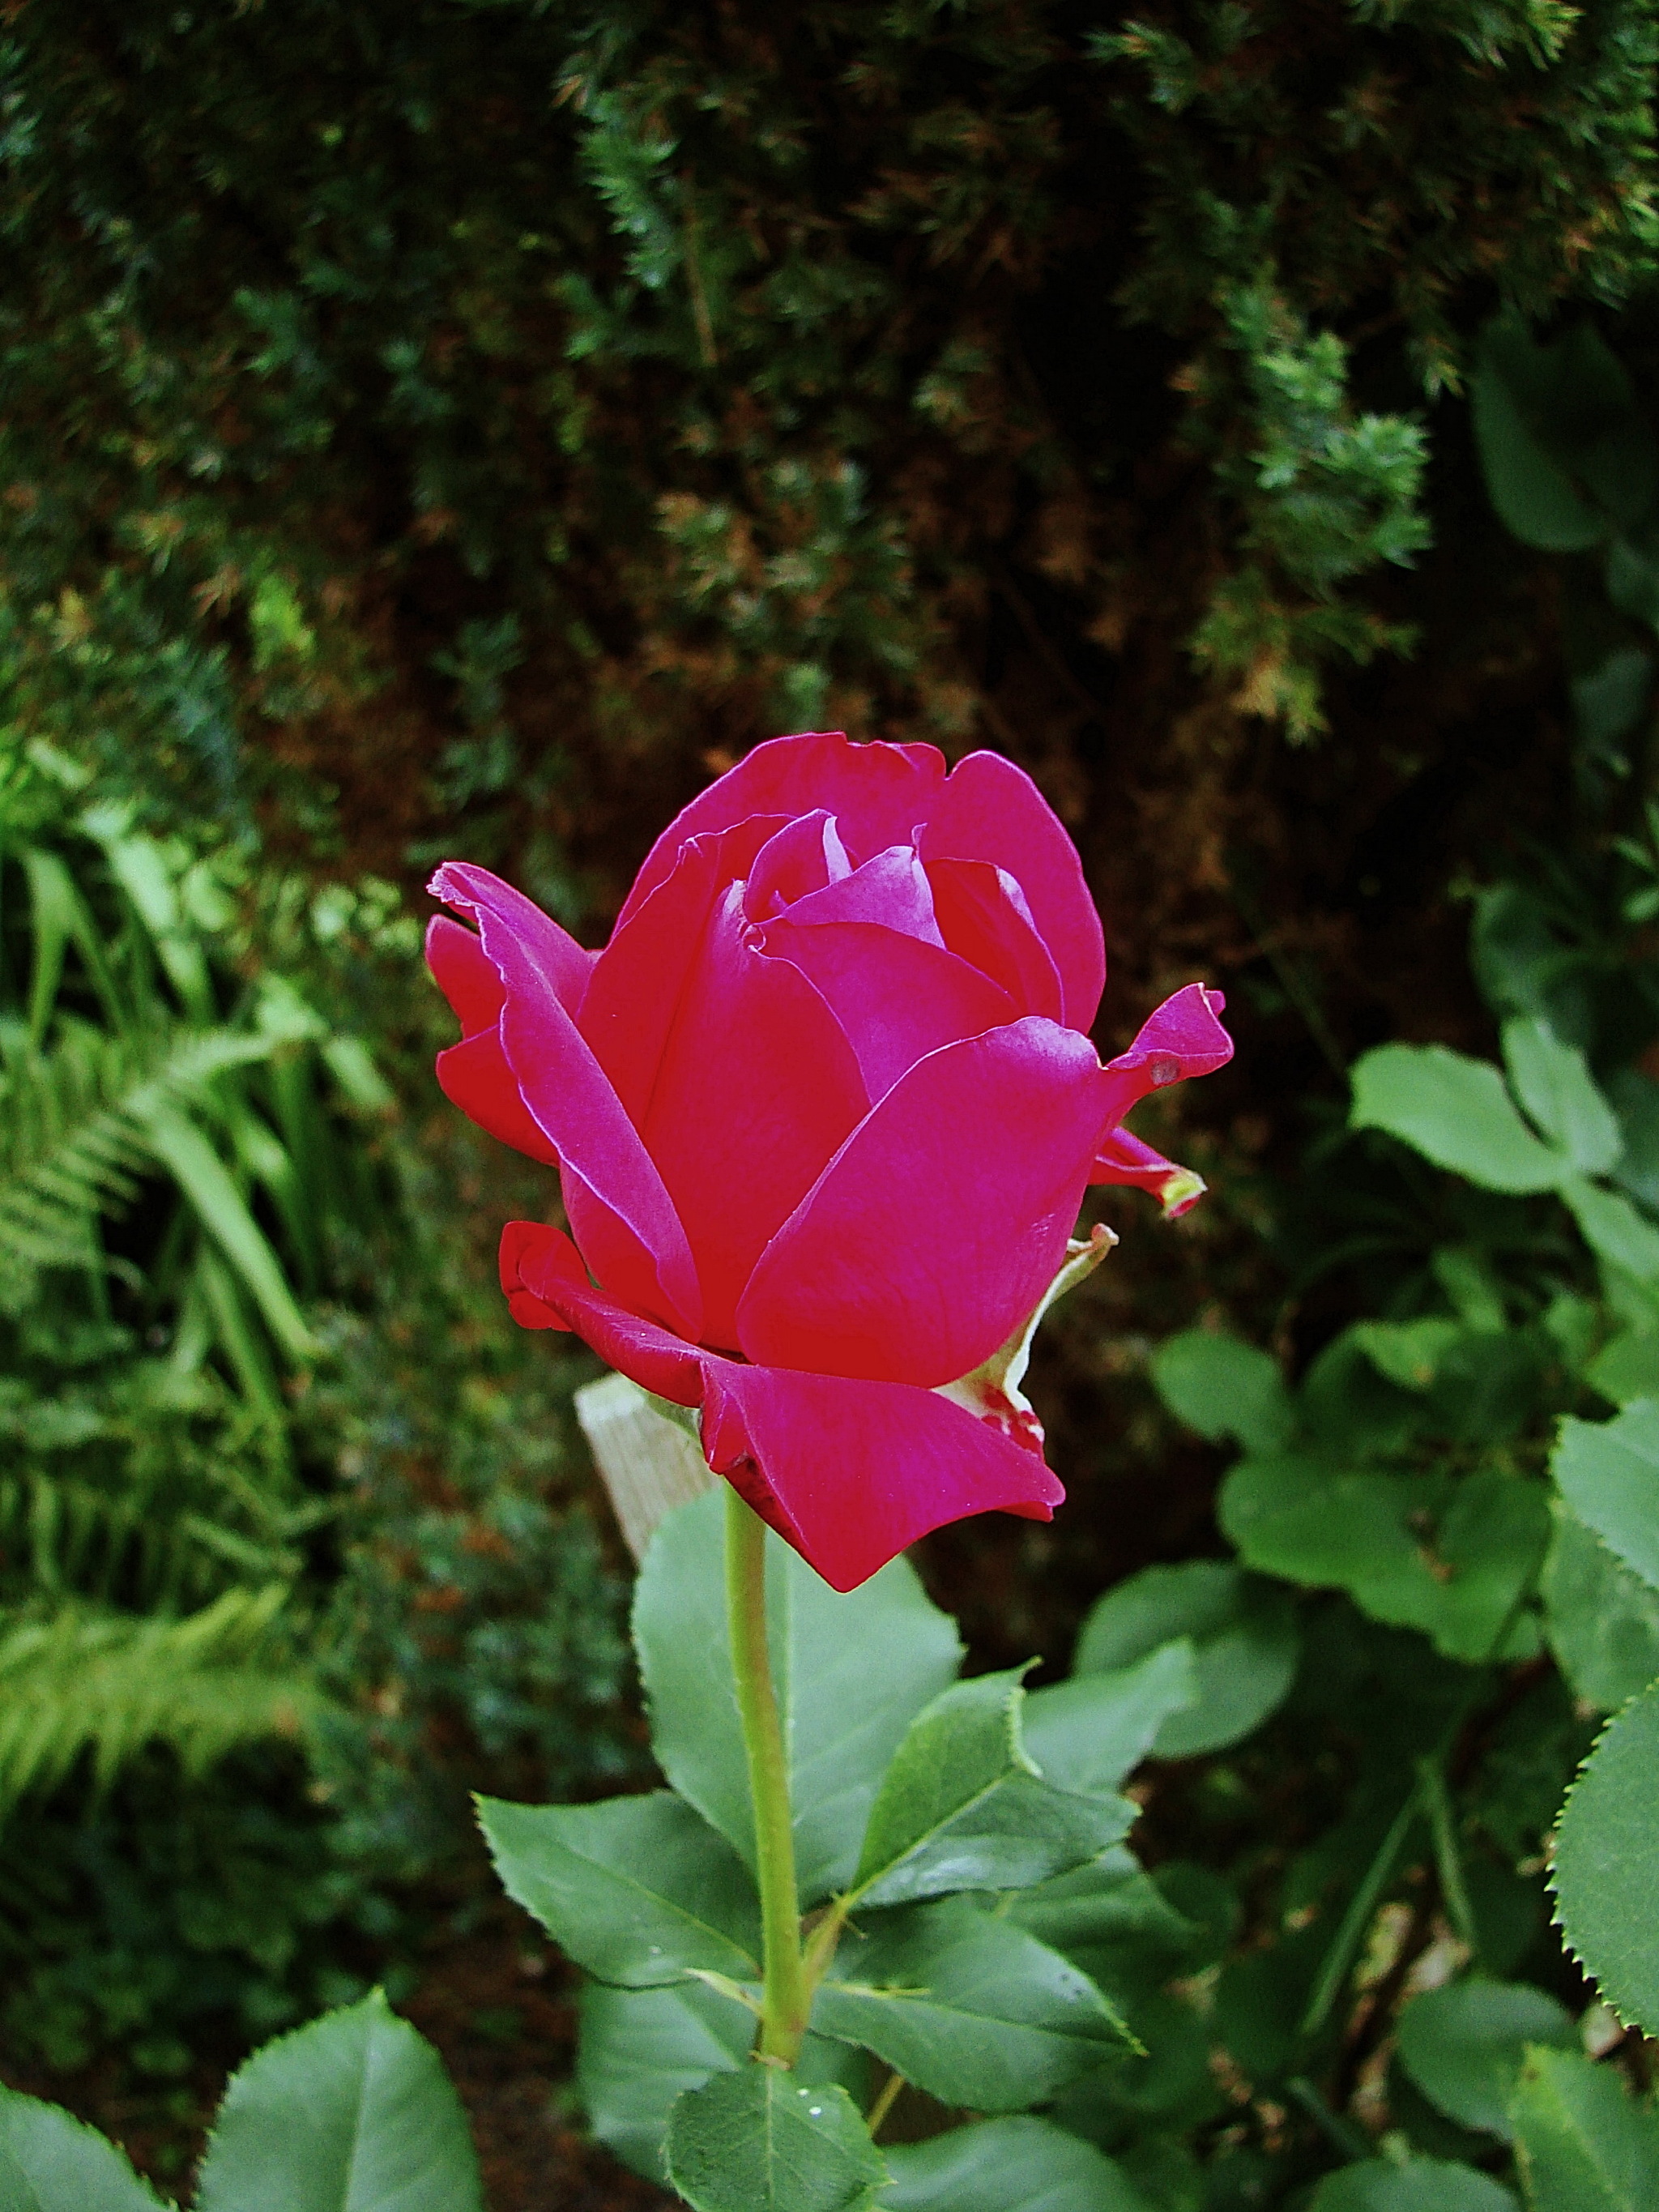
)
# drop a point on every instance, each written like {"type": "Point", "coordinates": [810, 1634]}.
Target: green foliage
{"type": "Point", "coordinates": [1464, 2045]}
{"type": "Point", "coordinates": [1022, 2165]}
{"type": "Point", "coordinates": [50, 2163]}
{"type": "Point", "coordinates": [928, 1817]}
{"type": "Point", "coordinates": [757, 2141]}
{"type": "Point", "coordinates": [1605, 1861]}
{"type": "Point", "coordinates": [640, 1891]}
{"type": "Point", "coordinates": [962, 1798]}
{"type": "Point", "coordinates": [1423, 2185]}
{"type": "Point", "coordinates": [352, 2113]}
{"type": "Point", "coordinates": [1583, 2143]}
{"type": "Point", "coordinates": [75, 1681]}
{"type": "Point", "coordinates": [633, 380]}
{"type": "Point", "coordinates": [1243, 1640]}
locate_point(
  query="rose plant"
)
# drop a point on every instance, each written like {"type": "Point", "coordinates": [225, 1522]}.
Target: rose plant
{"type": "Point", "coordinates": [824, 1111]}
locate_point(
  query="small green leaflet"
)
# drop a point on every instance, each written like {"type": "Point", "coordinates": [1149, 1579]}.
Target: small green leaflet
{"type": "Point", "coordinates": [1113, 1902]}
{"type": "Point", "coordinates": [852, 1674]}
{"type": "Point", "coordinates": [1553, 1083]}
{"type": "Point", "coordinates": [1457, 1112]}
{"type": "Point", "coordinates": [1583, 2143]}
{"type": "Point", "coordinates": [1613, 1229]}
{"type": "Point", "coordinates": [50, 2162]}
{"type": "Point", "coordinates": [1608, 1473]}
{"type": "Point", "coordinates": [962, 1806]}
{"type": "Point", "coordinates": [1015, 2165]}
{"type": "Point", "coordinates": [640, 2049]}
{"type": "Point", "coordinates": [1425, 2185]}
{"type": "Point", "coordinates": [353, 2113]}
{"type": "Point", "coordinates": [1366, 1533]}
{"type": "Point", "coordinates": [1089, 1733]}
{"type": "Point", "coordinates": [1242, 1631]}
{"type": "Point", "coordinates": [1463, 2045]}
{"type": "Point", "coordinates": [761, 2140]}
{"type": "Point", "coordinates": [1224, 1388]}
{"type": "Point", "coordinates": [1606, 1876]}
{"type": "Point", "coordinates": [1602, 1621]}
{"type": "Point", "coordinates": [971, 2009]}
{"type": "Point", "coordinates": [637, 1889]}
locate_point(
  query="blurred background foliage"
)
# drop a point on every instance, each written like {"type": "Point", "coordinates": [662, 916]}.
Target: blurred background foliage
{"type": "Point", "coordinates": [465, 427]}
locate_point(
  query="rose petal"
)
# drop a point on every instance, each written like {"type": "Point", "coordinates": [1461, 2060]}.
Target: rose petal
{"type": "Point", "coordinates": [1183, 1038]}
{"type": "Point", "coordinates": [1124, 1158]}
{"type": "Point", "coordinates": [892, 890]}
{"type": "Point", "coordinates": [756, 1090]}
{"type": "Point", "coordinates": [462, 972]}
{"type": "Point", "coordinates": [633, 1002]}
{"type": "Point", "coordinates": [942, 1221]}
{"type": "Point", "coordinates": [803, 856]}
{"type": "Point", "coordinates": [992, 810]}
{"type": "Point", "coordinates": [877, 794]}
{"type": "Point", "coordinates": [566, 964]}
{"type": "Point", "coordinates": [547, 1287]}
{"type": "Point", "coordinates": [849, 1473]}
{"type": "Point", "coordinates": [895, 998]}
{"type": "Point", "coordinates": [623, 1216]}
{"type": "Point", "coordinates": [474, 1075]}
{"type": "Point", "coordinates": [984, 919]}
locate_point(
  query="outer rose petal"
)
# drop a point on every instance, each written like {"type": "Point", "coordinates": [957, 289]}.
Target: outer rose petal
{"type": "Point", "coordinates": [895, 997]}
{"type": "Point", "coordinates": [981, 923]}
{"type": "Point", "coordinates": [849, 1473]}
{"type": "Point", "coordinates": [474, 1075]}
{"type": "Point", "coordinates": [756, 1090]}
{"type": "Point", "coordinates": [992, 810]}
{"type": "Point", "coordinates": [1183, 1037]}
{"type": "Point", "coordinates": [1124, 1158]}
{"type": "Point", "coordinates": [461, 970]}
{"type": "Point", "coordinates": [864, 1280]}
{"type": "Point", "coordinates": [877, 794]}
{"type": "Point", "coordinates": [618, 1206]}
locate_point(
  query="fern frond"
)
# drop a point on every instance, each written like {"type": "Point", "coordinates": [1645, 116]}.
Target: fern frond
{"type": "Point", "coordinates": [76, 1140]}
{"type": "Point", "coordinates": [108, 1684]}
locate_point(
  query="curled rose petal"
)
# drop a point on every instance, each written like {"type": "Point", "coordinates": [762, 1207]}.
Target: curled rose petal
{"type": "Point", "coordinates": [990, 809]}
{"type": "Point", "coordinates": [1183, 1038]}
{"type": "Point", "coordinates": [615, 1197]}
{"type": "Point", "coordinates": [984, 919]}
{"type": "Point", "coordinates": [824, 1111]}
{"type": "Point", "coordinates": [464, 973]}
{"type": "Point", "coordinates": [474, 1075]}
{"type": "Point", "coordinates": [1124, 1158]}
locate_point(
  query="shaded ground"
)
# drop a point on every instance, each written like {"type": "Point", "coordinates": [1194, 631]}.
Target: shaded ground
{"type": "Point", "coordinates": [499, 2006]}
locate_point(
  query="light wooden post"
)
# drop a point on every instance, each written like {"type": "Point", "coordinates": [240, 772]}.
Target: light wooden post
{"type": "Point", "coordinates": [649, 1463]}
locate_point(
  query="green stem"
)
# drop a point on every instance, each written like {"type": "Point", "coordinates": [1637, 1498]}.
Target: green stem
{"type": "Point", "coordinates": [1341, 1957]}
{"type": "Point", "coordinates": [785, 1998]}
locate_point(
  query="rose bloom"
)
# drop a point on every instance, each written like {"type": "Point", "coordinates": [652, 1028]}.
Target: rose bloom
{"type": "Point", "coordinates": [824, 1111]}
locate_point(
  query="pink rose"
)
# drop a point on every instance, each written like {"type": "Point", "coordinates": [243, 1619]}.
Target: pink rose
{"type": "Point", "coordinates": [824, 1110]}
